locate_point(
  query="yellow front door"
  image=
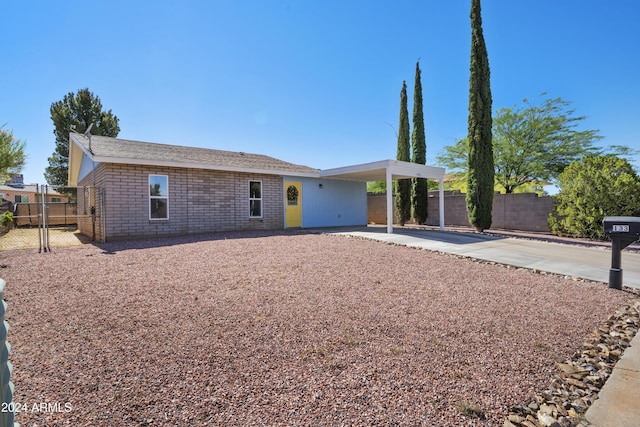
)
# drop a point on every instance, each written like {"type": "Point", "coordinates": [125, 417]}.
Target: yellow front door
{"type": "Point", "coordinates": [293, 204]}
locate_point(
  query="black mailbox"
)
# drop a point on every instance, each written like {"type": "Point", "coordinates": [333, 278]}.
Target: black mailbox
{"type": "Point", "coordinates": [623, 231]}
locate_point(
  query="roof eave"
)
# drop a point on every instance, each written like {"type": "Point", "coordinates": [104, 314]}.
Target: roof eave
{"type": "Point", "coordinates": [74, 162]}
{"type": "Point", "coordinates": [175, 164]}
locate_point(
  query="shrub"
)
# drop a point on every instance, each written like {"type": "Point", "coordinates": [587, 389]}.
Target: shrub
{"type": "Point", "coordinates": [595, 187]}
{"type": "Point", "coordinates": [6, 219]}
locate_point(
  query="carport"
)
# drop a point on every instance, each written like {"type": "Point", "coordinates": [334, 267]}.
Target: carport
{"type": "Point", "coordinates": [388, 170]}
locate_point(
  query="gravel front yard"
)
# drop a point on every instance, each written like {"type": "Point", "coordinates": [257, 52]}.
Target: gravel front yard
{"type": "Point", "coordinates": [284, 329]}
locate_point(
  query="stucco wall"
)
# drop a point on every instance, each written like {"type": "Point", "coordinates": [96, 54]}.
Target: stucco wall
{"type": "Point", "coordinates": [10, 195]}
{"type": "Point", "coordinates": [525, 211]}
{"type": "Point", "coordinates": [199, 201]}
{"type": "Point", "coordinates": [332, 202]}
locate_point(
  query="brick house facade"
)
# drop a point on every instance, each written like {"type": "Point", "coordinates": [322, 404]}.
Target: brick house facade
{"type": "Point", "coordinates": [200, 201]}
{"type": "Point", "coordinates": [206, 190]}
{"type": "Point", "coordinates": [131, 189]}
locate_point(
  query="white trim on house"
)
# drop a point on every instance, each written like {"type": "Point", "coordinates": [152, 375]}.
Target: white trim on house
{"type": "Point", "coordinates": [160, 197]}
{"type": "Point", "coordinates": [388, 170]}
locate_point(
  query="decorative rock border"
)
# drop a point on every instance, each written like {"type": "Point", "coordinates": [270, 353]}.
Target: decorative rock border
{"type": "Point", "coordinates": [580, 379]}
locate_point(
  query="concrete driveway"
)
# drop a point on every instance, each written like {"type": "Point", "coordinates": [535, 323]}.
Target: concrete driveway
{"type": "Point", "coordinates": [587, 262]}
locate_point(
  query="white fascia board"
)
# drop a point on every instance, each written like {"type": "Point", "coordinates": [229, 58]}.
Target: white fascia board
{"type": "Point", "coordinates": [416, 170]}
{"type": "Point", "coordinates": [75, 163]}
{"type": "Point", "coordinates": [377, 171]}
{"type": "Point", "coordinates": [354, 168]}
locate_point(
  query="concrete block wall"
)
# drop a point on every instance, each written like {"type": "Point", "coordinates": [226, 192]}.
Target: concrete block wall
{"type": "Point", "coordinates": [377, 208]}
{"type": "Point", "coordinates": [525, 211]}
{"type": "Point", "coordinates": [199, 201]}
{"type": "Point", "coordinates": [455, 209]}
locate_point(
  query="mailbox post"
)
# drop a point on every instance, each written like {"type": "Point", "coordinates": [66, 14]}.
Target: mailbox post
{"type": "Point", "coordinates": [623, 231]}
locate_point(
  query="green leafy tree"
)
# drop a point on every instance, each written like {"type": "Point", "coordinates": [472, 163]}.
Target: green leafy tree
{"type": "Point", "coordinates": [12, 156]}
{"type": "Point", "coordinates": [419, 194]}
{"type": "Point", "coordinates": [403, 190]}
{"type": "Point", "coordinates": [590, 189]}
{"type": "Point", "coordinates": [76, 112]}
{"type": "Point", "coordinates": [377, 187]}
{"type": "Point", "coordinates": [537, 142]}
{"type": "Point", "coordinates": [531, 143]}
{"type": "Point", "coordinates": [480, 172]}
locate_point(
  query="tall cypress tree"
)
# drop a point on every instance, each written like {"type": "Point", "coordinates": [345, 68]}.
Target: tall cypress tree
{"type": "Point", "coordinates": [403, 194]}
{"type": "Point", "coordinates": [419, 196]}
{"type": "Point", "coordinates": [480, 175]}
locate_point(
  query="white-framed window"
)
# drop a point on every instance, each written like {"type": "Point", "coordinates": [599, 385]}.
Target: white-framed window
{"type": "Point", "coordinates": [255, 199]}
{"type": "Point", "coordinates": [21, 198]}
{"type": "Point", "coordinates": [158, 197]}
{"type": "Point", "coordinates": [56, 200]}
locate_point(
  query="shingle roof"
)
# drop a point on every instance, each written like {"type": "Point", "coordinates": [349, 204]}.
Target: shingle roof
{"type": "Point", "coordinates": [114, 150]}
{"type": "Point", "coordinates": [28, 188]}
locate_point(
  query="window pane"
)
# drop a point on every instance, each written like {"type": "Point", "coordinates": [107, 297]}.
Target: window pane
{"type": "Point", "coordinates": [158, 185]}
{"type": "Point", "coordinates": [292, 195]}
{"type": "Point", "coordinates": [158, 208]}
{"type": "Point", "coordinates": [255, 208]}
{"type": "Point", "coordinates": [255, 190]}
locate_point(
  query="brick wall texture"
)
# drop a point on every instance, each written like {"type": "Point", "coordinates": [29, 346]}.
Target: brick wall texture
{"type": "Point", "coordinates": [199, 201]}
{"type": "Point", "coordinates": [524, 211]}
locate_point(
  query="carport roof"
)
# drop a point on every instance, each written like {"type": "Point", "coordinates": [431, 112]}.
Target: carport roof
{"type": "Point", "coordinates": [377, 171]}
{"type": "Point", "coordinates": [388, 170]}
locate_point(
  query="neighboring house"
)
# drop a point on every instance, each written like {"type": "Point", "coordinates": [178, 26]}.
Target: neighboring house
{"type": "Point", "coordinates": [142, 189]}
{"type": "Point", "coordinates": [26, 203]}
{"type": "Point", "coordinates": [16, 191]}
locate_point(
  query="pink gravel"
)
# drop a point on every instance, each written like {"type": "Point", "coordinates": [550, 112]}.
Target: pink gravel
{"type": "Point", "coordinates": [284, 329]}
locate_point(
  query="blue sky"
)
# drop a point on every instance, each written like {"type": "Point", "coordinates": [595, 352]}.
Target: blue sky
{"type": "Point", "coordinates": [310, 82]}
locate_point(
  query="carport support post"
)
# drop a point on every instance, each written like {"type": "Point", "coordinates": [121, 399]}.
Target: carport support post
{"type": "Point", "coordinates": [441, 203]}
{"type": "Point", "coordinates": [615, 273]}
{"type": "Point", "coordinates": [389, 201]}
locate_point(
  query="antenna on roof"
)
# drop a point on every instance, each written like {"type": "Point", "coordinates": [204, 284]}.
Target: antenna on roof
{"type": "Point", "coordinates": [87, 133]}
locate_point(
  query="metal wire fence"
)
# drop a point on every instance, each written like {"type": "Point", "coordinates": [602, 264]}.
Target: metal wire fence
{"type": "Point", "coordinates": [47, 222]}
{"type": "Point", "coordinates": [31, 238]}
